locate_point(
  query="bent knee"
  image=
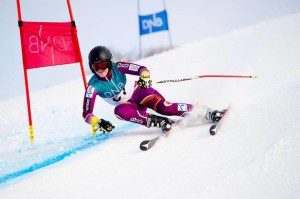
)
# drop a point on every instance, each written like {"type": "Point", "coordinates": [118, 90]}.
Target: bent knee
{"type": "Point", "coordinates": [120, 111]}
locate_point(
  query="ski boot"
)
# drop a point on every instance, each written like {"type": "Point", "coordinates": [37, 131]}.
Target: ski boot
{"type": "Point", "coordinates": [214, 115]}
{"type": "Point", "coordinates": [157, 121]}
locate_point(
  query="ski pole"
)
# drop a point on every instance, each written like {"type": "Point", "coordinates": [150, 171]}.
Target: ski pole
{"type": "Point", "coordinates": [205, 76]}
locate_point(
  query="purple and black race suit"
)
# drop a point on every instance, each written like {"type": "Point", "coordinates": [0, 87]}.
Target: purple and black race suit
{"type": "Point", "coordinates": [130, 100]}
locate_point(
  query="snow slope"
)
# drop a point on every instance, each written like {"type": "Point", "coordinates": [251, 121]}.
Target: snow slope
{"type": "Point", "coordinates": [256, 154]}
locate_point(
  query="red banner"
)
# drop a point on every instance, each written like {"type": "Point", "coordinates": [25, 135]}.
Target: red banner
{"type": "Point", "coordinates": [48, 44]}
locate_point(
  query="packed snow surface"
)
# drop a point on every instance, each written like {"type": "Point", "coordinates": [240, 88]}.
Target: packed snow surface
{"type": "Point", "coordinates": [255, 155]}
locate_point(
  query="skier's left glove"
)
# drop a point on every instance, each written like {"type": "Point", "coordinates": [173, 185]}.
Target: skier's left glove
{"type": "Point", "coordinates": [105, 126]}
{"type": "Point", "coordinates": [145, 81]}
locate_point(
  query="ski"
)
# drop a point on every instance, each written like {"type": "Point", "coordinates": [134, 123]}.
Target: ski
{"type": "Point", "coordinates": [213, 130]}
{"type": "Point", "coordinates": [147, 144]}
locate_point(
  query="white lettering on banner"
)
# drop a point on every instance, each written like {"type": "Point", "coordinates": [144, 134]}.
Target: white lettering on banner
{"type": "Point", "coordinates": [134, 67]}
{"type": "Point", "coordinates": [37, 44]}
{"type": "Point", "coordinates": [34, 45]}
{"type": "Point", "coordinates": [155, 22]}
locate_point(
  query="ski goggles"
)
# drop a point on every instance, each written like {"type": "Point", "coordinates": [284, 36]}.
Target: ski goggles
{"type": "Point", "coordinates": [102, 65]}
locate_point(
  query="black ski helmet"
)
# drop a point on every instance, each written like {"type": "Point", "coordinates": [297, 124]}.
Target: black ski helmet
{"type": "Point", "coordinates": [100, 53]}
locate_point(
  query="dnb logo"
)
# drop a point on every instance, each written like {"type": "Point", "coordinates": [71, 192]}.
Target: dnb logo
{"type": "Point", "coordinates": [150, 24]}
{"type": "Point", "coordinates": [153, 23]}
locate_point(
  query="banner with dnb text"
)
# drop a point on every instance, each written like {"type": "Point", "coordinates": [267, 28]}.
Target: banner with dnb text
{"type": "Point", "coordinates": [153, 23]}
{"type": "Point", "coordinates": [48, 44]}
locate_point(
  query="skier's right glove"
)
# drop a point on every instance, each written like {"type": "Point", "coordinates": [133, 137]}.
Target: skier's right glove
{"type": "Point", "coordinates": [105, 126]}
{"type": "Point", "coordinates": [145, 81]}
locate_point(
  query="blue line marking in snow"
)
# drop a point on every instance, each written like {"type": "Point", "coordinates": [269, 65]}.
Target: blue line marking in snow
{"type": "Point", "coordinates": [90, 142]}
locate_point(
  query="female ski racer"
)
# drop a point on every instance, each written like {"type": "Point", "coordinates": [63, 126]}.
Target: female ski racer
{"type": "Point", "coordinates": [130, 98]}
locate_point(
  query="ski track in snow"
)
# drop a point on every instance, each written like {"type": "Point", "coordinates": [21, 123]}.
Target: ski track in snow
{"type": "Point", "coordinates": [53, 152]}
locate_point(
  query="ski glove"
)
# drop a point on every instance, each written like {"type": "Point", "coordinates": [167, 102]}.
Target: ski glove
{"type": "Point", "coordinates": [145, 81]}
{"type": "Point", "coordinates": [105, 126]}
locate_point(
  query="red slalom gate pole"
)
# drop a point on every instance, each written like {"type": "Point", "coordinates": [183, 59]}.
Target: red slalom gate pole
{"type": "Point", "coordinates": [75, 40]}
{"type": "Point", "coordinates": [31, 131]}
{"type": "Point", "coordinates": [74, 31]}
